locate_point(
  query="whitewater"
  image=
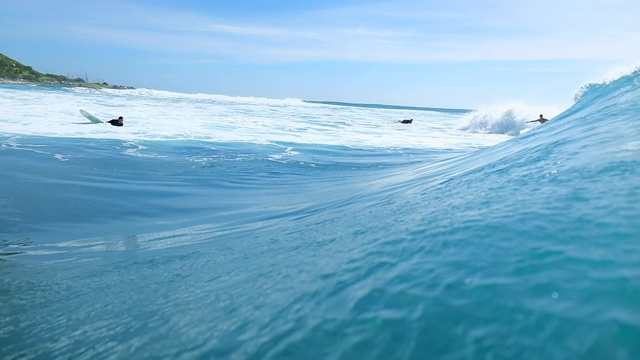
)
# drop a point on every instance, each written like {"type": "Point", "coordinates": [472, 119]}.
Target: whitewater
{"type": "Point", "coordinates": [218, 227]}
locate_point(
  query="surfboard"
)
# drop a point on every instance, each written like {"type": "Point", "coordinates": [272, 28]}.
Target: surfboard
{"type": "Point", "coordinates": [91, 118]}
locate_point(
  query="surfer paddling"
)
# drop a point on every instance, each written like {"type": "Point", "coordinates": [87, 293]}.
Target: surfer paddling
{"type": "Point", "coordinates": [405, 121]}
{"type": "Point", "coordinates": [541, 120]}
{"type": "Point", "coordinates": [117, 122]}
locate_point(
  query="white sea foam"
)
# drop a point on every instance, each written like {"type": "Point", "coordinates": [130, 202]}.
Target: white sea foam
{"type": "Point", "coordinates": [163, 115]}
{"type": "Point", "coordinates": [509, 119]}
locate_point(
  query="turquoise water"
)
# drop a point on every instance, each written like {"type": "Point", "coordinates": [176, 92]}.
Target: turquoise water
{"type": "Point", "coordinates": [340, 235]}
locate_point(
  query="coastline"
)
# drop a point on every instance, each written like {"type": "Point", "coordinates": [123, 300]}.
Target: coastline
{"type": "Point", "coordinates": [67, 84]}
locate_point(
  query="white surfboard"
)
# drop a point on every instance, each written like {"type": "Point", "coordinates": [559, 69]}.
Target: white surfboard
{"type": "Point", "coordinates": [91, 118]}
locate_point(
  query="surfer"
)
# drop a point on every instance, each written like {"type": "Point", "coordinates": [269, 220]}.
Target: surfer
{"type": "Point", "coordinates": [405, 121]}
{"type": "Point", "coordinates": [542, 120]}
{"type": "Point", "coordinates": [117, 122]}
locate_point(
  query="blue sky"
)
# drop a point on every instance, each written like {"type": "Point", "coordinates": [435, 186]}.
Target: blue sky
{"type": "Point", "coordinates": [456, 53]}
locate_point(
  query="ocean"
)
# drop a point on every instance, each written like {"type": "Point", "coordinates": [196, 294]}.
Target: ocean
{"type": "Point", "coordinates": [219, 227]}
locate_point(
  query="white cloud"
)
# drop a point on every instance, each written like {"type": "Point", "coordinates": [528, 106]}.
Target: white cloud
{"type": "Point", "coordinates": [408, 31]}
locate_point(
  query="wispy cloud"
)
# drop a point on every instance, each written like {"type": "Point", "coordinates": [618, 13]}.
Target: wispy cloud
{"type": "Point", "coordinates": [408, 31]}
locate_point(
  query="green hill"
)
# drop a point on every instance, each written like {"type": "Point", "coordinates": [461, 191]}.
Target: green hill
{"type": "Point", "coordinates": [12, 70]}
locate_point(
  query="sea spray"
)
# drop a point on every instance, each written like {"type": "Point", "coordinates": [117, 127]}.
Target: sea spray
{"type": "Point", "coordinates": [507, 119]}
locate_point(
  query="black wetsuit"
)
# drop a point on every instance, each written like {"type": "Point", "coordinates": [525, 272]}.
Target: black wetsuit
{"type": "Point", "coordinates": [115, 122]}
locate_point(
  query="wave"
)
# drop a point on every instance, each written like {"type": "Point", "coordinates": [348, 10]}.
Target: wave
{"type": "Point", "coordinates": [212, 98]}
{"type": "Point", "coordinates": [511, 119]}
{"type": "Point", "coordinates": [549, 218]}
{"type": "Point", "coordinates": [611, 77]}
{"type": "Point", "coordinates": [594, 89]}
{"type": "Point", "coordinates": [508, 119]}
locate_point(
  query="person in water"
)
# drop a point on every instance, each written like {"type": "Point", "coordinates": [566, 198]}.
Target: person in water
{"type": "Point", "coordinates": [117, 122]}
{"type": "Point", "coordinates": [542, 120]}
{"type": "Point", "coordinates": [405, 121]}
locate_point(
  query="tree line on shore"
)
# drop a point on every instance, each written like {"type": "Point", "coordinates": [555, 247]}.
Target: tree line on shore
{"type": "Point", "coordinates": [12, 70]}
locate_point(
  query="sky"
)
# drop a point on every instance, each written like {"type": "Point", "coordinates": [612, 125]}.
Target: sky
{"type": "Point", "coordinates": [434, 53]}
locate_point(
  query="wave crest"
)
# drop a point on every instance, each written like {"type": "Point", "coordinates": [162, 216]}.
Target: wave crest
{"type": "Point", "coordinates": [500, 119]}
{"type": "Point", "coordinates": [507, 119]}
{"type": "Point", "coordinates": [617, 78]}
